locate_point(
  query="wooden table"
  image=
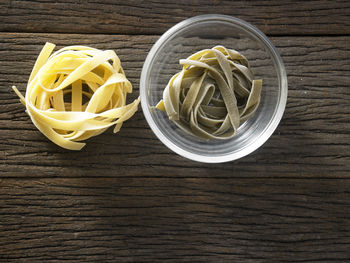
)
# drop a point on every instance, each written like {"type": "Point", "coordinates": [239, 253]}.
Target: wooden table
{"type": "Point", "coordinates": [128, 198]}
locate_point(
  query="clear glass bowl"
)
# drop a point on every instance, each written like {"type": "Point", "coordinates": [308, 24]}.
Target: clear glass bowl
{"type": "Point", "coordinates": [207, 31]}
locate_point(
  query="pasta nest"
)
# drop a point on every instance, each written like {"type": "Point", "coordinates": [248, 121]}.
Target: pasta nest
{"type": "Point", "coordinates": [76, 93]}
{"type": "Point", "coordinates": [213, 94]}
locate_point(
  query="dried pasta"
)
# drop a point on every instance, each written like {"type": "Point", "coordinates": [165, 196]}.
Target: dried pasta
{"type": "Point", "coordinates": [76, 93]}
{"type": "Point", "coordinates": [213, 94]}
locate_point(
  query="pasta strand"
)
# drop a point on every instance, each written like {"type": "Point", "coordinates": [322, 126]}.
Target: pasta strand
{"type": "Point", "coordinates": [58, 84]}
{"type": "Point", "coordinates": [213, 94]}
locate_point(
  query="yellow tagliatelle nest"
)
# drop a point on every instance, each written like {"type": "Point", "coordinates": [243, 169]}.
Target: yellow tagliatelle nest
{"type": "Point", "coordinates": [76, 93]}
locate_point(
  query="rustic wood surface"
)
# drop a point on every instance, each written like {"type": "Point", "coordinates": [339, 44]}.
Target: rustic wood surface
{"type": "Point", "coordinates": [155, 16]}
{"type": "Point", "coordinates": [127, 198]}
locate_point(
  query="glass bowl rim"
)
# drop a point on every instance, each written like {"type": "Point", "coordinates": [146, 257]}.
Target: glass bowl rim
{"type": "Point", "coordinates": [270, 127]}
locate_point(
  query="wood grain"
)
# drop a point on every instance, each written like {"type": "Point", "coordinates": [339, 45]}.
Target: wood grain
{"type": "Point", "coordinates": [127, 198]}
{"type": "Point", "coordinates": [174, 220]}
{"type": "Point", "coordinates": [311, 141]}
{"type": "Point", "coordinates": [155, 17]}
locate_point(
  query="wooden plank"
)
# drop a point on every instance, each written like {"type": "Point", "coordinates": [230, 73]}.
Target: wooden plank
{"type": "Point", "coordinates": [174, 220]}
{"type": "Point", "coordinates": [311, 141]}
{"type": "Point", "coordinates": [155, 17]}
